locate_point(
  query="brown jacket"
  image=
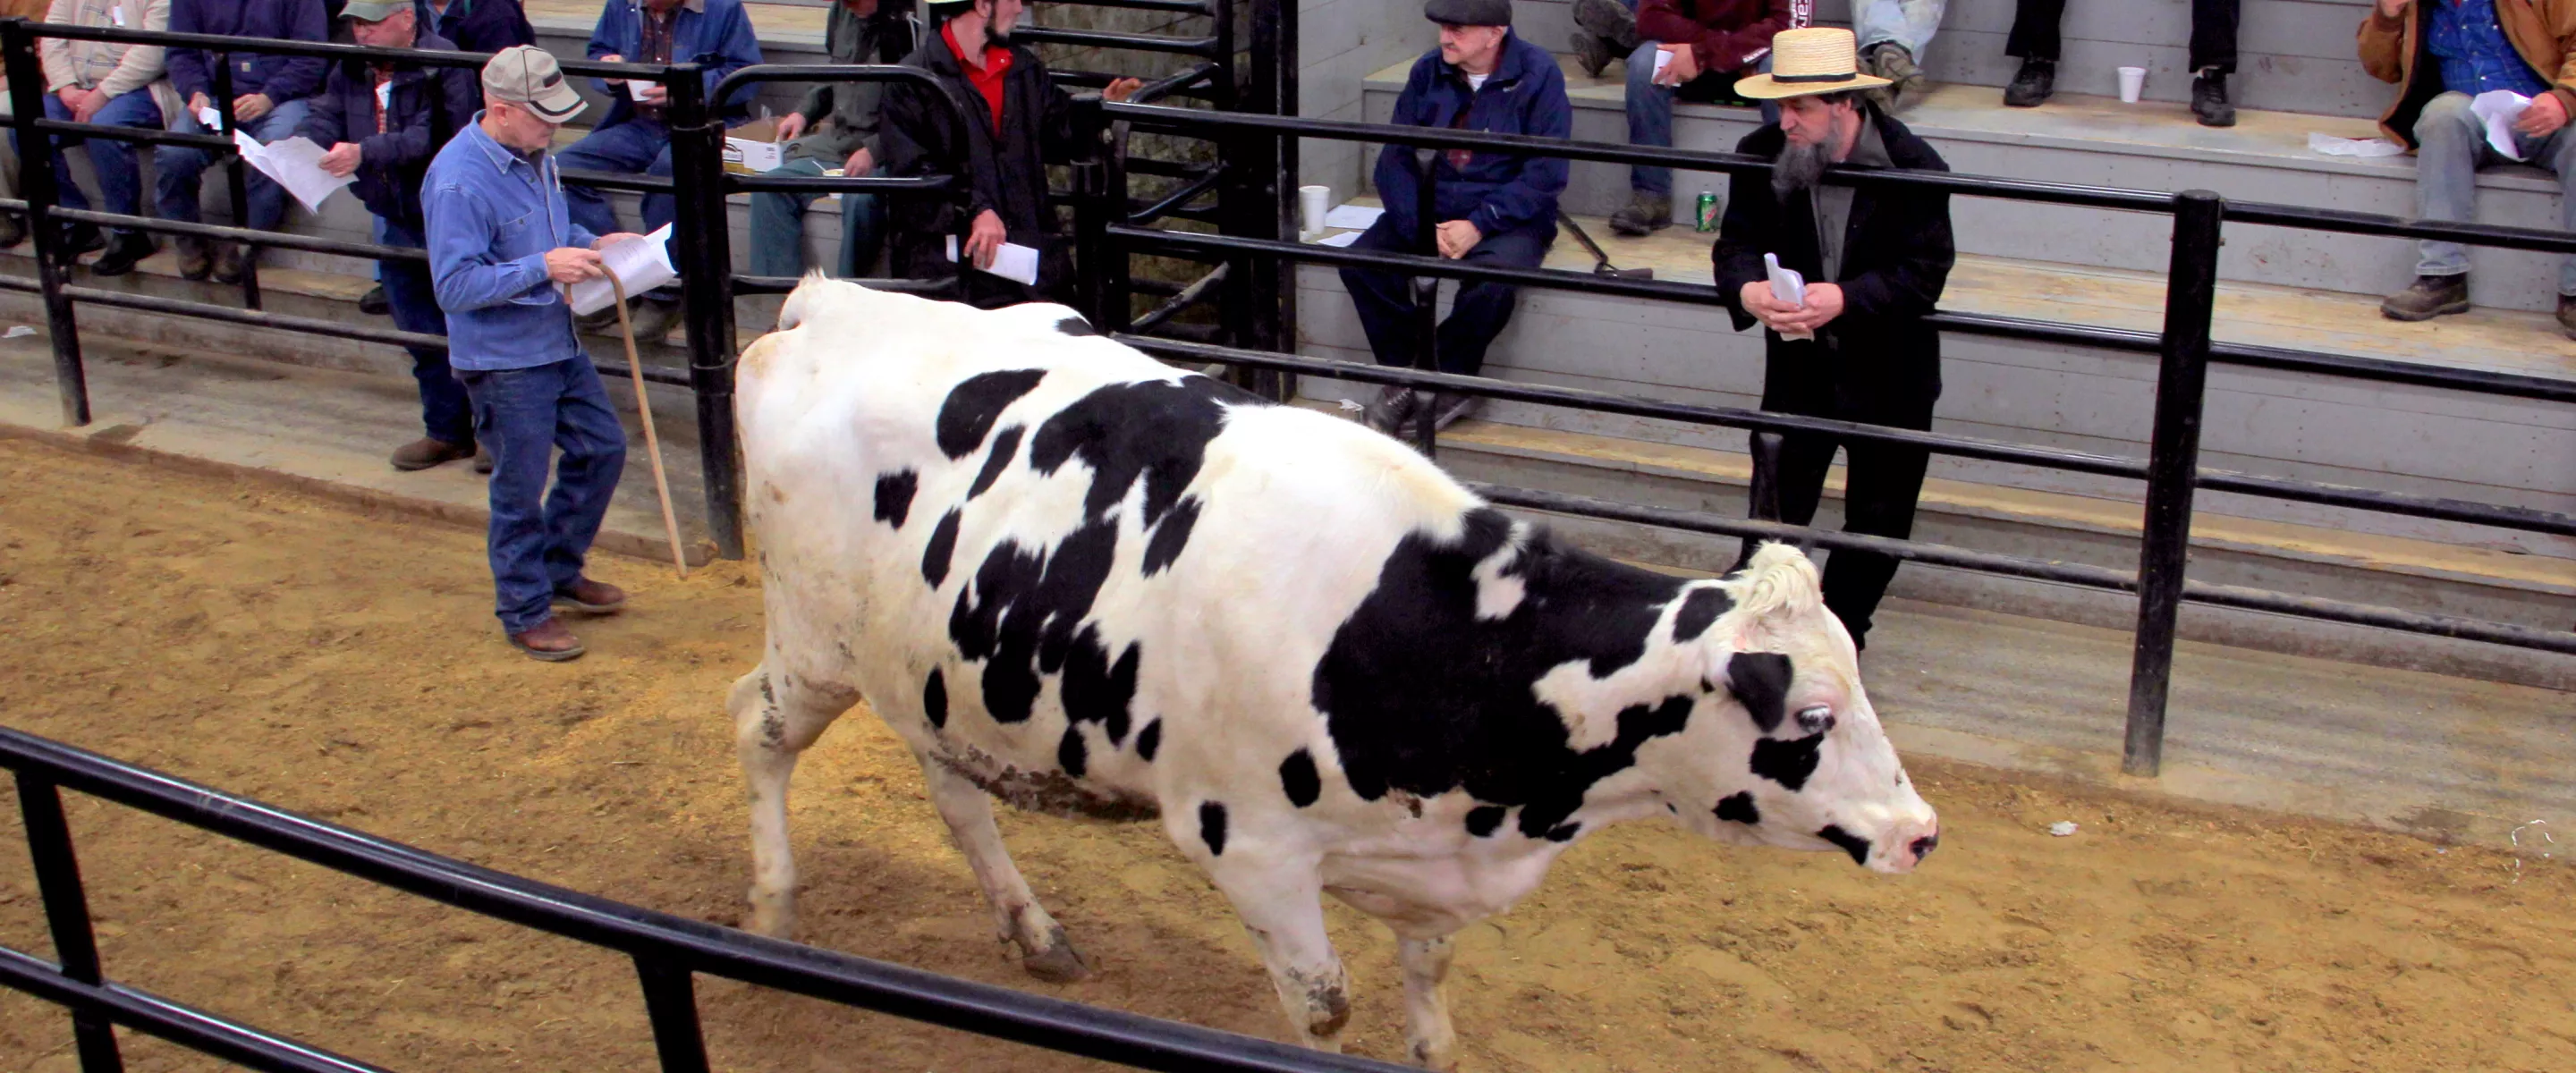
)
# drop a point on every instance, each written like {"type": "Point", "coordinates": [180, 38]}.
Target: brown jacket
{"type": "Point", "coordinates": [2394, 50]}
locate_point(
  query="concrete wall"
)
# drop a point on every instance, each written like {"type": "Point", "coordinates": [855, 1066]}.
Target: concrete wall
{"type": "Point", "coordinates": [1339, 44]}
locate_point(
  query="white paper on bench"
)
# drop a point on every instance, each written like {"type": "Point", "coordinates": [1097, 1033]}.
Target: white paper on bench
{"type": "Point", "coordinates": [1343, 239]}
{"type": "Point", "coordinates": [1355, 217]}
{"type": "Point", "coordinates": [642, 264]}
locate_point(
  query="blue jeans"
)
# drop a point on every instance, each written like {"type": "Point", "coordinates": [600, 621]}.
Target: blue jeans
{"type": "Point", "coordinates": [778, 227]}
{"type": "Point", "coordinates": [1479, 313]}
{"type": "Point", "coordinates": [2451, 146]}
{"type": "Point", "coordinates": [179, 167]}
{"type": "Point", "coordinates": [638, 147]}
{"type": "Point", "coordinates": [1907, 24]}
{"type": "Point", "coordinates": [537, 546]}
{"type": "Point", "coordinates": [1650, 111]}
{"type": "Point", "coordinates": [445, 413]}
{"type": "Point", "coordinates": [118, 178]}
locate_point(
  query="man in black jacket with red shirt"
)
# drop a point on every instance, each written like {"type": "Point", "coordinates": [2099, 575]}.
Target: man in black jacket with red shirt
{"type": "Point", "coordinates": [1021, 123]}
{"type": "Point", "coordinates": [1875, 260]}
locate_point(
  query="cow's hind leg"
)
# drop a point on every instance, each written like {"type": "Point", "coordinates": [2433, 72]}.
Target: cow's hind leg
{"type": "Point", "coordinates": [775, 716]}
{"type": "Point", "coordinates": [1017, 916]}
{"type": "Point", "coordinates": [1428, 1036]}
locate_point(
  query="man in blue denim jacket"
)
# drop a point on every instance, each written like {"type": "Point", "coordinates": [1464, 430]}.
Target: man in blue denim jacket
{"type": "Point", "coordinates": [634, 138]}
{"type": "Point", "coordinates": [500, 240]}
{"type": "Point", "coordinates": [1490, 208]}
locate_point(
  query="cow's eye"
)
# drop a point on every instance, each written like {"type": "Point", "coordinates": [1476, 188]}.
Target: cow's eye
{"type": "Point", "coordinates": [1816, 720]}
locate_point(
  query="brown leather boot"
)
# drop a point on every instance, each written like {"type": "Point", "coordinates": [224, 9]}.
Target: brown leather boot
{"type": "Point", "coordinates": [426, 452]}
{"type": "Point", "coordinates": [550, 641]}
{"type": "Point", "coordinates": [591, 597]}
{"type": "Point", "coordinates": [2428, 297]}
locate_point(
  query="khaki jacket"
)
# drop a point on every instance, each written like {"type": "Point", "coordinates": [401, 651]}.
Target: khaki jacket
{"type": "Point", "coordinates": [113, 68]}
{"type": "Point", "coordinates": [2395, 50]}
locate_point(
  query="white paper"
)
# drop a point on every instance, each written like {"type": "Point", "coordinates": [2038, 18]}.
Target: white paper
{"type": "Point", "coordinates": [1355, 217]}
{"type": "Point", "coordinates": [2500, 107]}
{"type": "Point", "coordinates": [757, 156]}
{"type": "Point", "coordinates": [1663, 59]}
{"type": "Point", "coordinates": [1788, 286]}
{"type": "Point", "coordinates": [1343, 239]}
{"type": "Point", "coordinates": [2355, 147]}
{"type": "Point", "coordinates": [296, 164]}
{"type": "Point", "coordinates": [642, 264]}
{"type": "Point", "coordinates": [117, 15]}
{"type": "Point", "coordinates": [1011, 261]}
{"type": "Point", "coordinates": [210, 119]}
{"type": "Point", "coordinates": [384, 96]}
{"type": "Point", "coordinates": [17, 331]}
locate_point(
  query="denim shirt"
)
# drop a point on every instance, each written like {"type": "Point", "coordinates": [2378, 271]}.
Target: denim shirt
{"type": "Point", "coordinates": [493, 215]}
{"type": "Point", "coordinates": [2474, 53]}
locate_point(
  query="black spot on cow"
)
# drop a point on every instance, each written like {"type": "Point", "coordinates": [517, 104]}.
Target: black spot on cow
{"type": "Point", "coordinates": [1076, 326]}
{"type": "Point", "coordinates": [1738, 807]}
{"type": "Point", "coordinates": [1149, 740]}
{"type": "Point", "coordinates": [1699, 610]}
{"type": "Point", "coordinates": [1851, 843]}
{"type": "Point", "coordinates": [1297, 776]}
{"type": "Point", "coordinates": [1095, 690]}
{"type": "Point", "coordinates": [1006, 446]}
{"type": "Point", "coordinates": [1171, 535]}
{"type": "Point", "coordinates": [1484, 820]}
{"type": "Point", "coordinates": [934, 699]}
{"type": "Point", "coordinates": [1564, 832]}
{"type": "Point", "coordinates": [1022, 613]}
{"type": "Point", "coordinates": [1212, 827]}
{"type": "Point", "coordinates": [1421, 696]}
{"type": "Point", "coordinates": [894, 495]}
{"type": "Point", "coordinates": [972, 406]}
{"type": "Point", "coordinates": [1071, 754]}
{"type": "Point", "coordinates": [1155, 431]}
{"type": "Point", "coordinates": [942, 547]}
{"type": "Point", "coordinates": [1788, 763]}
{"type": "Point", "coordinates": [1760, 682]}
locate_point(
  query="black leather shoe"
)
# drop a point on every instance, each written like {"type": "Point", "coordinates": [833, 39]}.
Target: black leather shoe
{"type": "Point", "coordinates": [373, 303]}
{"type": "Point", "coordinates": [2036, 81]}
{"type": "Point", "coordinates": [77, 240]}
{"type": "Point", "coordinates": [2209, 100]}
{"type": "Point", "coordinates": [128, 249]}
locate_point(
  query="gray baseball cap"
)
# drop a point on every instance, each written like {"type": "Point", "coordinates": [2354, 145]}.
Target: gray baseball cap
{"type": "Point", "coordinates": [528, 75]}
{"type": "Point", "coordinates": [373, 10]}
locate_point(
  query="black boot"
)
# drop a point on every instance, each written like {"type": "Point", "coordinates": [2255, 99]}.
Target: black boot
{"type": "Point", "coordinates": [126, 250]}
{"type": "Point", "coordinates": [2038, 79]}
{"type": "Point", "coordinates": [2209, 99]}
{"type": "Point", "coordinates": [78, 238]}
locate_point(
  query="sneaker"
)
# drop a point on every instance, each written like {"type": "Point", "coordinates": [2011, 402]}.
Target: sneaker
{"type": "Point", "coordinates": [1394, 407]}
{"type": "Point", "coordinates": [549, 641]}
{"type": "Point", "coordinates": [1644, 214]}
{"type": "Point", "coordinates": [2567, 314]}
{"type": "Point", "coordinates": [1611, 21]}
{"type": "Point", "coordinates": [373, 303]}
{"type": "Point", "coordinates": [1447, 409]}
{"type": "Point", "coordinates": [591, 597]}
{"type": "Point", "coordinates": [233, 263]}
{"type": "Point", "coordinates": [428, 451]}
{"type": "Point", "coordinates": [1895, 64]}
{"type": "Point", "coordinates": [2209, 99]}
{"type": "Point", "coordinates": [125, 251]}
{"type": "Point", "coordinates": [196, 259]}
{"type": "Point", "coordinates": [2035, 82]}
{"type": "Point", "coordinates": [2433, 296]}
{"type": "Point", "coordinates": [1591, 52]}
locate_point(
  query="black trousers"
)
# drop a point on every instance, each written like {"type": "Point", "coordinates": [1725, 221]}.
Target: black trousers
{"type": "Point", "coordinates": [1476, 316]}
{"type": "Point", "coordinates": [1881, 481]}
{"type": "Point", "coordinates": [2213, 32]}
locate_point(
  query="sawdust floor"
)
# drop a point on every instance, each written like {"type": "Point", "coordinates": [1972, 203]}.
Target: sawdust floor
{"type": "Point", "coordinates": [299, 652]}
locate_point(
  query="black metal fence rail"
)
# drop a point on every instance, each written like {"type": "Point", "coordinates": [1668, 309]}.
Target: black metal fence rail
{"type": "Point", "coordinates": [669, 951]}
{"type": "Point", "coordinates": [2171, 471]}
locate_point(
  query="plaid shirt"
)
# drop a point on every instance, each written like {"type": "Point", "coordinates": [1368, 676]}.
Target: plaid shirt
{"type": "Point", "coordinates": [2474, 54]}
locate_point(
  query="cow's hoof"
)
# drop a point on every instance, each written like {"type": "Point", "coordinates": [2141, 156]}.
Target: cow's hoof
{"type": "Point", "coordinates": [775, 918]}
{"type": "Point", "coordinates": [1059, 963]}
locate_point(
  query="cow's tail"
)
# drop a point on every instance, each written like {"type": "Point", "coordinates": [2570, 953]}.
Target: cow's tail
{"type": "Point", "coordinates": [791, 313]}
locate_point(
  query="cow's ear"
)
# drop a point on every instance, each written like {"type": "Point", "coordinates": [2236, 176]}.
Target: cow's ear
{"type": "Point", "coordinates": [1760, 682]}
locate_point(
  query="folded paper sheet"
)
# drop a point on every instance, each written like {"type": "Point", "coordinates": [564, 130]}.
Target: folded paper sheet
{"type": "Point", "coordinates": [1788, 286]}
{"type": "Point", "coordinates": [642, 264]}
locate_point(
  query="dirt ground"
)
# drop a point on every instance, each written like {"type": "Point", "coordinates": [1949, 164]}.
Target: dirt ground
{"type": "Point", "coordinates": [303, 653]}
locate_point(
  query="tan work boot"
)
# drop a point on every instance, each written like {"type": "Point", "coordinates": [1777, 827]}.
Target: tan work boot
{"type": "Point", "coordinates": [1644, 214]}
{"type": "Point", "coordinates": [2429, 297]}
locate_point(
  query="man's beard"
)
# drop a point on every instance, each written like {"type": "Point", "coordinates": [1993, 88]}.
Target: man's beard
{"type": "Point", "coordinates": [1797, 167]}
{"type": "Point", "coordinates": [997, 38]}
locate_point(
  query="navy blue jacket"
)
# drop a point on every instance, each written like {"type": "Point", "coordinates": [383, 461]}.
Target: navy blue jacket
{"type": "Point", "coordinates": [429, 107]}
{"type": "Point", "coordinates": [479, 25]}
{"type": "Point", "coordinates": [282, 78]}
{"type": "Point", "coordinates": [1497, 192]}
{"type": "Point", "coordinates": [714, 33]}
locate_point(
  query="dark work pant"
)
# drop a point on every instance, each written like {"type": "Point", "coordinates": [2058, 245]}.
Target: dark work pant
{"type": "Point", "coordinates": [445, 414]}
{"type": "Point", "coordinates": [2213, 32]}
{"type": "Point", "coordinates": [1481, 310]}
{"type": "Point", "coordinates": [1881, 482]}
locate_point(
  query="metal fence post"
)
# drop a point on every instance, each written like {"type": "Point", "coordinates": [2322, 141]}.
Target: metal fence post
{"type": "Point", "coordinates": [58, 882]}
{"type": "Point", "coordinates": [706, 266]}
{"type": "Point", "coordinates": [1426, 298]}
{"type": "Point", "coordinates": [1091, 207]}
{"type": "Point", "coordinates": [237, 176]}
{"type": "Point", "coordinates": [671, 1003]}
{"type": "Point", "coordinates": [36, 184]}
{"type": "Point", "coordinates": [2173, 463]}
{"type": "Point", "coordinates": [1110, 272]}
{"type": "Point", "coordinates": [1762, 492]}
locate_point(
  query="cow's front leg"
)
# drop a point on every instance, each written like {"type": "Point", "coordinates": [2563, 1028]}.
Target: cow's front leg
{"type": "Point", "coordinates": [774, 718]}
{"type": "Point", "coordinates": [1281, 902]}
{"type": "Point", "coordinates": [1044, 952]}
{"type": "Point", "coordinates": [1428, 1036]}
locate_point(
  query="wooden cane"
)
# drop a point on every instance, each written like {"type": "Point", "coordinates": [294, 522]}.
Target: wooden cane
{"type": "Point", "coordinates": [644, 409]}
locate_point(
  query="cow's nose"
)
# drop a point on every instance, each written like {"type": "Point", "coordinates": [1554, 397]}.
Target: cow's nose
{"type": "Point", "coordinates": [1924, 846]}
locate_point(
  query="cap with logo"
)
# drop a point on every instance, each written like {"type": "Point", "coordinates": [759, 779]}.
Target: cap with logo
{"type": "Point", "coordinates": [373, 10]}
{"type": "Point", "coordinates": [528, 75]}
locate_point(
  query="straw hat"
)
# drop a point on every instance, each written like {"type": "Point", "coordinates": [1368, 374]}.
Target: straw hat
{"type": "Point", "coordinates": [1804, 62]}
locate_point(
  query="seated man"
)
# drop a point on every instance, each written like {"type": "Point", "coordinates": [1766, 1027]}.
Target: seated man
{"type": "Point", "coordinates": [383, 124]}
{"type": "Point", "coordinates": [835, 127]}
{"type": "Point", "coordinates": [269, 95]}
{"type": "Point", "coordinates": [1712, 43]}
{"type": "Point", "coordinates": [477, 25]}
{"type": "Point", "coordinates": [1489, 208]}
{"type": "Point", "coordinates": [2443, 53]}
{"type": "Point", "coordinates": [974, 59]}
{"type": "Point", "coordinates": [633, 138]}
{"type": "Point", "coordinates": [2213, 56]}
{"type": "Point", "coordinates": [113, 84]}
{"type": "Point", "coordinates": [1875, 261]}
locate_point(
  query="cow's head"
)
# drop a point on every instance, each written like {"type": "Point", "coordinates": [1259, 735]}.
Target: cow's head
{"type": "Point", "coordinates": [1786, 750]}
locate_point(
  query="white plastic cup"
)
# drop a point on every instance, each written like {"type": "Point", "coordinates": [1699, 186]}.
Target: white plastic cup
{"type": "Point", "coordinates": [1313, 202]}
{"type": "Point", "coordinates": [2133, 80]}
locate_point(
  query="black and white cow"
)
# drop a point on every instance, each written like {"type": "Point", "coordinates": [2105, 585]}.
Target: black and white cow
{"type": "Point", "coordinates": [1086, 583]}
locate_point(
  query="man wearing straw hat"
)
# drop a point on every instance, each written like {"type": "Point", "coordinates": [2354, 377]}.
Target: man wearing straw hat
{"type": "Point", "coordinates": [500, 243]}
{"type": "Point", "coordinates": [1874, 260]}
